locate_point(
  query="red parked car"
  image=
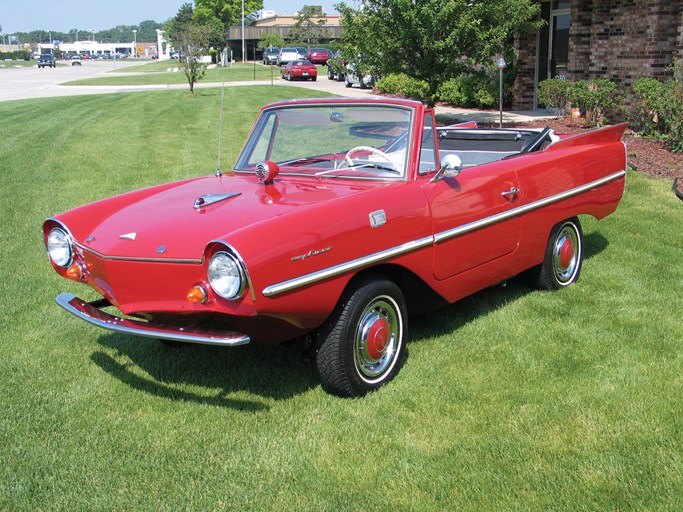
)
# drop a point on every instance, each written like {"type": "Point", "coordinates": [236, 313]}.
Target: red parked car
{"type": "Point", "coordinates": [319, 55]}
{"type": "Point", "coordinates": [340, 218]}
{"type": "Point", "coordinates": [299, 69]}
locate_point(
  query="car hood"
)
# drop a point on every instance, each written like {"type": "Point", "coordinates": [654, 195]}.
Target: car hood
{"type": "Point", "coordinates": [163, 222]}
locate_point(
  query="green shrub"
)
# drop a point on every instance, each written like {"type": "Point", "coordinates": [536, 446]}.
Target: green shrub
{"type": "Point", "coordinates": [658, 109]}
{"type": "Point", "coordinates": [594, 98]}
{"type": "Point", "coordinates": [454, 92]}
{"type": "Point", "coordinates": [468, 91]}
{"type": "Point", "coordinates": [403, 85]}
{"type": "Point", "coordinates": [554, 94]}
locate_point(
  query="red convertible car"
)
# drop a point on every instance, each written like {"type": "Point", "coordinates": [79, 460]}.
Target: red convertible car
{"type": "Point", "coordinates": [335, 243]}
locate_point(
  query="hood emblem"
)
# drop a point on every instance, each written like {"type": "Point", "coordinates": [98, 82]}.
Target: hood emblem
{"type": "Point", "coordinates": [207, 199]}
{"type": "Point", "coordinates": [128, 236]}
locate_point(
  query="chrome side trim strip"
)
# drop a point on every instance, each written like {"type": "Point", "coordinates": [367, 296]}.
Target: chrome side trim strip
{"type": "Point", "coordinates": [515, 212]}
{"type": "Point", "coordinates": [342, 268]}
{"type": "Point", "coordinates": [91, 314]}
{"type": "Point", "coordinates": [399, 250]}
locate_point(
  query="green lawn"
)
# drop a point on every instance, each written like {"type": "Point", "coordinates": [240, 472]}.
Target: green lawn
{"type": "Point", "coordinates": [512, 399]}
{"type": "Point", "coordinates": [156, 73]}
{"type": "Point", "coordinates": [18, 63]}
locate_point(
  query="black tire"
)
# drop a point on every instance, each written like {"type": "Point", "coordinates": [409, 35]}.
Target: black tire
{"type": "Point", "coordinates": [315, 78]}
{"type": "Point", "coordinates": [563, 257]}
{"type": "Point", "coordinates": [330, 74]}
{"type": "Point", "coordinates": [339, 77]}
{"type": "Point", "coordinates": [347, 83]}
{"type": "Point", "coordinates": [361, 346]}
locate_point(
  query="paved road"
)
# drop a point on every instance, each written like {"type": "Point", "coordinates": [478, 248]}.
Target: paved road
{"type": "Point", "coordinates": [25, 83]}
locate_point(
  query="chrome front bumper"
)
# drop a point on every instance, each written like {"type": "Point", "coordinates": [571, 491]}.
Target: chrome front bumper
{"type": "Point", "coordinates": [90, 312]}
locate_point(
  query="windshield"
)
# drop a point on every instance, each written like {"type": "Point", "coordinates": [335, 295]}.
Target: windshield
{"type": "Point", "coordinates": [335, 141]}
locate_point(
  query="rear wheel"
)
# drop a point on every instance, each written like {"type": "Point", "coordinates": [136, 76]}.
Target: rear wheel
{"type": "Point", "coordinates": [563, 257]}
{"type": "Point", "coordinates": [348, 82]}
{"type": "Point", "coordinates": [362, 344]}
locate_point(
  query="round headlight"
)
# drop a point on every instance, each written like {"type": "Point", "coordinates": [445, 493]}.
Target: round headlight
{"type": "Point", "coordinates": [59, 247]}
{"type": "Point", "coordinates": [225, 275]}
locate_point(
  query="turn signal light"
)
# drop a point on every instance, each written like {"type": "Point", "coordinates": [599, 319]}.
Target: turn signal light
{"type": "Point", "coordinates": [76, 272]}
{"type": "Point", "coordinates": [197, 295]}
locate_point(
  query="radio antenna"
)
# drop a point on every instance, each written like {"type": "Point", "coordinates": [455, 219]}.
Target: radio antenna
{"type": "Point", "coordinates": [220, 120]}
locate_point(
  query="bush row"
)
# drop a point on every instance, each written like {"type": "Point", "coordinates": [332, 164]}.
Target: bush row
{"type": "Point", "coordinates": [653, 107]}
{"type": "Point", "coordinates": [16, 55]}
{"type": "Point", "coordinates": [477, 91]}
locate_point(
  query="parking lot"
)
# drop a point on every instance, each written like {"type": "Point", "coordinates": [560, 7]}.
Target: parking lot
{"type": "Point", "coordinates": [32, 82]}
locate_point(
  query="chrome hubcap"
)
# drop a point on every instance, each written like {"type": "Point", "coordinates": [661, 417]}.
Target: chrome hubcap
{"type": "Point", "coordinates": [566, 253]}
{"type": "Point", "coordinates": [377, 338]}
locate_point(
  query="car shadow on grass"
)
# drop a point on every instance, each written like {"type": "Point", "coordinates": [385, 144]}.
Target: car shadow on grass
{"type": "Point", "coordinates": [217, 376]}
{"type": "Point", "coordinates": [452, 317]}
{"type": "Point", "coordinates": [222, 376]}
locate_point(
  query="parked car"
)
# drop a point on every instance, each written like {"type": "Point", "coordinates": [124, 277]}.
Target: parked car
{"type": "Point", "coordinates": [76, 60]}
{"type": "Point", "coordinates": [270, 56]}
{"type": "Point", "coordinates": [47, 60]}
{"type": "Point", "coordinates": [287, 55]}
{"type": "Point", "coordinates": [341, 217]}
{"type": "Point", "coordinates": [299, 69]}
{"type": "Point", "coordinates": [303, 52]}
{"type": "Point", "coordinates": [336, 67]}
{"type": "Point", "coordinates": [319, 55]}
{"type": "Point", "coordinates": [365, 81]}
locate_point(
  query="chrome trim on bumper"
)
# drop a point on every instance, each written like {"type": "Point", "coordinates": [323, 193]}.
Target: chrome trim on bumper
{"type": "Point", "coordinates": [342, 268]}
{"type": "Point", "coordinates": [91, 313]}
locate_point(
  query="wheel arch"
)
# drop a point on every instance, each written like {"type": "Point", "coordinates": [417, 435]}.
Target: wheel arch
{"type": "Point", "coordinates": [419, 296]}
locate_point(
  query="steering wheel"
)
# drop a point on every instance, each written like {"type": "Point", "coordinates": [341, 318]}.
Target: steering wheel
{"type": "Point", "coordinates": [349, 160]}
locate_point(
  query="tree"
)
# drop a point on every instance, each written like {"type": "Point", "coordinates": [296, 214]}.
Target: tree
{"type": "Point", "coordinates": [193, 44]}
{"type": "Point", "coordinates": [434, 40]}
{"type": "Point", "coordinates": [308, 28]}
{"type": "Point", "coordinates": [192, 40]}
{"type": "Point", "coordinates": [271, 40]}
{"type": "Point", "coordinates": [227, 12]}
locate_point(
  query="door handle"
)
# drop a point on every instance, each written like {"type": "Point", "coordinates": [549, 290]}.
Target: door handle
{"type": "Point", "coordinates": [512, 192]}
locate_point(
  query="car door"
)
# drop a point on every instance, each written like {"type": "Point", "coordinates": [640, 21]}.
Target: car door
{"type": "Point", "coordinates": [469, 212]}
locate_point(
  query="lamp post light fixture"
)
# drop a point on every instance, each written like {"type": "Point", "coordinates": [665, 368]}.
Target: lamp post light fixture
{"type": "Point", "coordinates": [501, 65]}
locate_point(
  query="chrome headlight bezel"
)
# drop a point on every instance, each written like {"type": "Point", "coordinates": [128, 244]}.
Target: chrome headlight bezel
{"type": "Point", "coordinates": [60, 248]}
{"type": "Point", "coordinates": [226, 277]}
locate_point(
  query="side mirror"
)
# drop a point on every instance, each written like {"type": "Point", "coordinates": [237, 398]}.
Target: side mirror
{"type": "Point", "coordinates": [451, 166]}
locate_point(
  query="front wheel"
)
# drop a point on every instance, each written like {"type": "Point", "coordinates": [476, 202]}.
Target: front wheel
{"type": "Point", "coordinates": [361, 346]}
{"type": "Point", "coordinates": [563, 257]}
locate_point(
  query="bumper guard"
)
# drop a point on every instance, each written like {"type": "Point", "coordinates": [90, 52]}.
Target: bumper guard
{"type": "Point", "coordinates": [91, 313]}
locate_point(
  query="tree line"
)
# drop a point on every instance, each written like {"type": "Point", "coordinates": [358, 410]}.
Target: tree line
{"type": "Point", "coordinates": [146, 33]}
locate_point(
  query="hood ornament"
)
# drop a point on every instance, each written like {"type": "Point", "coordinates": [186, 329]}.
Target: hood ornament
{"type": "Point", "coordinates": [128, 236]}
{"type": "Point", "coordinates": [207, 199]}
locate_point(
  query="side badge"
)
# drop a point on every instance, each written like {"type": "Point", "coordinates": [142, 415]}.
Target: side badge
{"type": "Point", "coordinates": [378, 218]}
{"type": "Point", "coordinates": [128, 236]}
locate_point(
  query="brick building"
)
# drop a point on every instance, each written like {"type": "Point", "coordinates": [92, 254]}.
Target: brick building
{"type": "Point", "coordinates": [621, 40]}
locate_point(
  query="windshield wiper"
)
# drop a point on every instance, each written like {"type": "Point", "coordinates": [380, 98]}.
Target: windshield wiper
{"type": "Point", "coordinates": [375, 165]}
{"type": "Point", "coordinates": [307, 160]}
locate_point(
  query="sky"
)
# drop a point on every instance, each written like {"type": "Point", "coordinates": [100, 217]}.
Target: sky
{"type": "Point", "coordinates": [63, 15]}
